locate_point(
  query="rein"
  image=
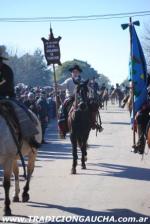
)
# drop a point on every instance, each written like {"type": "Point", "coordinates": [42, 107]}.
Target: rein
{"type": "Point", "coordinates": [75, 102]}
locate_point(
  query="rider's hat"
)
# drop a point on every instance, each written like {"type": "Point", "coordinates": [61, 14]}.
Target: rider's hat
{"type": "Point", "coordinates": [75, 67]}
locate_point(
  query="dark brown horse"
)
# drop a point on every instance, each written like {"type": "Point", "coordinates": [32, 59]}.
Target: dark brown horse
{"type": "Point", "coordinates": [79, 124]}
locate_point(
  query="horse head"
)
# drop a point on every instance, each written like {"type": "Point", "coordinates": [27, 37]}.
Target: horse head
{"type": "Point", "coordinates": [82, 95]}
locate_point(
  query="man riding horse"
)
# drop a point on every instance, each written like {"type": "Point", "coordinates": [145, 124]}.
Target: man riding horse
{"type": "Point", "coordinates": [69, 85]}
{"type": "Point", "coordinates": [12, 109]}
{"type": "Point", "coordinates": [6, 79]}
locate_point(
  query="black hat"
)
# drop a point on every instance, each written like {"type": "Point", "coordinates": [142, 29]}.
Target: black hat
{"type": "Point", "coordinates": [75, 67]}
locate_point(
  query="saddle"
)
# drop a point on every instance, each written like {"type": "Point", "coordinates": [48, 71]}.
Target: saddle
{"type": "Point", "coordinates": [63, 116]}
{"type": "Point", "coordinates": [9, 115]}
{"type": "Point", "coordinates": [20, 123]}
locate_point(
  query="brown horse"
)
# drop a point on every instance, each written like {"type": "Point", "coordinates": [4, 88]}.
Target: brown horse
{"type": "Point", "coordinates": [105, 98]}
{"type": "Point", "coordinates": [9, 157]}
{"type": "Point", "coordinates": [127, 101]}
{"type": "Point", "coordinates": [79, 124]}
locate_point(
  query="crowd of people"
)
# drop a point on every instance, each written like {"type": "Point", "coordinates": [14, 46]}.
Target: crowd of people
{"type": "Point", "coordinates": [39, 100]}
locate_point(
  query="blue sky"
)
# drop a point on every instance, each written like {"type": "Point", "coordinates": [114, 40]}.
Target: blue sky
{"type": "Point", "coordinates": [102, 43]}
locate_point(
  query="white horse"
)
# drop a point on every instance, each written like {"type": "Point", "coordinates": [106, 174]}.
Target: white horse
{"type": "Point", "coordinates": [8, 160]}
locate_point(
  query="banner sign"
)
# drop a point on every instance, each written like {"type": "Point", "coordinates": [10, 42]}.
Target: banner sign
{"type": "Point", "coordinates": [52, 49]}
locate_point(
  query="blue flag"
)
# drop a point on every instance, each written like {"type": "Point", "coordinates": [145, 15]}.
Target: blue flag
{"type": "Point", "coordinates": [138, 72]}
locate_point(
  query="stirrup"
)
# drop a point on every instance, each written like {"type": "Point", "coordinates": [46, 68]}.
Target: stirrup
{"type": "Point", "coordinates": [62, 135]}
{"type": "Point", "coordinates": [99, 128]}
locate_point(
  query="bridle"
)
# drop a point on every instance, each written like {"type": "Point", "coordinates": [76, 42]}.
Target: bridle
{"type": "Point", "coordinates": [81, 96]}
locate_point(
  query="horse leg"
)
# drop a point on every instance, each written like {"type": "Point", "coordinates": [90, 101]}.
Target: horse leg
{"type": "Point", "coordinates": [17, 188]}
{"type": "Point", "coordinates": [74, 152]}
{"type": "Point", "coordinates": [6, 185]}
{"type": "Point", "coordinates": [30, 168]}
{"type": "Point", "coordinates": [84, 152]}
{"type": "Point", "coordinates": [148, 137]}
{"type": "Point", "coordinates": [84, 156]}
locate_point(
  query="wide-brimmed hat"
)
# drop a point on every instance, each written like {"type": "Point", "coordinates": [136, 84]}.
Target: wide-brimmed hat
{"type": "Point", "coordinates": [75, 67]}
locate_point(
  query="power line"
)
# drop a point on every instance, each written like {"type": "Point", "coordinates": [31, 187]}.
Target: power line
{"type": "Point", "coordinates": [76, 18]}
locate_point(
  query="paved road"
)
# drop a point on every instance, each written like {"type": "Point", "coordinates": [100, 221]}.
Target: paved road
{"type": "Point", "coordinates": [115, 183]}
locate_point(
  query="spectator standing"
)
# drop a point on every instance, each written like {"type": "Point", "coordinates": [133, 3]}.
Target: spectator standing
{"type": "Point", "coordinates": [42, 108]}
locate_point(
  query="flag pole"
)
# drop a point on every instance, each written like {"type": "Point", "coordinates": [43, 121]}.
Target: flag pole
{"type": "Point", "coordinates": [56, 91]}
{"type": "Point", "coordinates": [52, 55]}
{"type": "Point", "coordinates": [132, 83]}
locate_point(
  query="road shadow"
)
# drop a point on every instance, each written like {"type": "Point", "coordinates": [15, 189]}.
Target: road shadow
{"type": "Point", "coordinates": [92, 147]}
{"type": "Point", "coordinates": [117, 123]}
{"type": "Point", "coordinates": [114, 112]}
{"type": "Point", "coordinates": [57, 148]}
{"type": "Point", "coordinates": [111, 213]}
{"type": "Point", "coordinates": [120, 123]}
{"type": "Point", "coordinates": [53, 151]}
{"type": "Point", "coordinates": [122, 171]}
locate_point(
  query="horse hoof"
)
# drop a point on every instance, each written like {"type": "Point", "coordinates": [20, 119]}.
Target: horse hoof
{"type": "Point", "coordinates": [73, 171]}
{"type": "Point", "coordinates": [7, 212]}
{"type": "Point", "coordinates": [25, 197]}
{"type": "Point", "coordinates": [15, 199]}
{"type": "Point", "coordinates": [84, 167]}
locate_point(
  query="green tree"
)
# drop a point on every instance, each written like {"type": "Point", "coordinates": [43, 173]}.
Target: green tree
{"type": "Point", "coordinates": [62, 72]}
{"type": "Point", "coordinates": [29, 69]}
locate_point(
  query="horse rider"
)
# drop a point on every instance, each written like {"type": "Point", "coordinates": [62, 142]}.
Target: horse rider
{"type": "Point", "coordinates": [142, 118]}
{"type": "Point", "coordinates": [6, 79]}
{"type": "Point", "coordinates": [7, 98]}
{"type": "Point", "coordinates": [119, 94]}
{"type": "Point", "coordinates": [69, 87]}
